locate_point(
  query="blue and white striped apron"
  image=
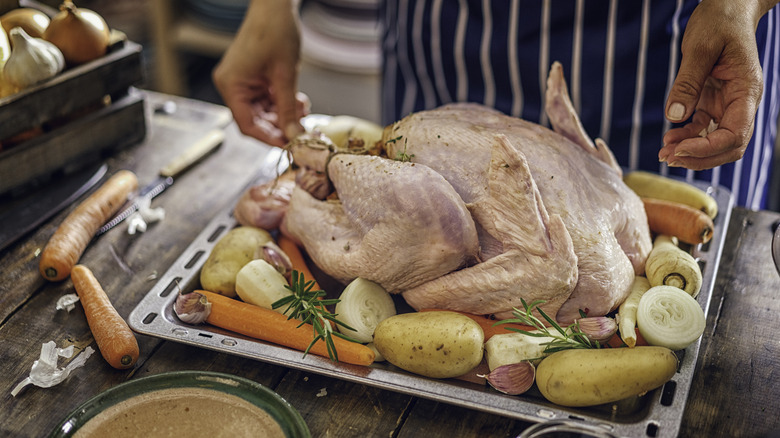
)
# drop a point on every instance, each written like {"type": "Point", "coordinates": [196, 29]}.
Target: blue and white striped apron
{"type": "Point", "coordinates": [619, 57]}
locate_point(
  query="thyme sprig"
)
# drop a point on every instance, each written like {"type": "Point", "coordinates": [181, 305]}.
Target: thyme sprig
{"type": "Point", "coordinates": [562, 338]}
{"type": "Point", "coordinates": [309, 306]}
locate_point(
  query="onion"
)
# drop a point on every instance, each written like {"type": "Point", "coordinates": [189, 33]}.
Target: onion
{"type": "Point", "coordinates": [81, 34]}
{"type": "Point", "coordinates": [668, 317]}
{"type": "Point", "coordinates": [32, 21]}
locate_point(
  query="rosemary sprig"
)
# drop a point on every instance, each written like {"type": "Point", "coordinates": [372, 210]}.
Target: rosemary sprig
{"type": "Point", "coordinates": [562, 339]}
{"type": "Point", "coordinates": [307, 306]}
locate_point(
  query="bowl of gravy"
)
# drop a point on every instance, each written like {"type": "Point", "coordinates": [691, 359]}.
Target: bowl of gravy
{"type": "Point", "coordinates": [185, 403]}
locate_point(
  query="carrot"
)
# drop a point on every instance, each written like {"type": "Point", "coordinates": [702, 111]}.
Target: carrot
{"type": "Point", "coordinates": [114, 338]}
{"type": "Point", "coordinates": [289, 247]}
{"type": "Point", "coordinates": [487, 324]}
{"type": "Point", "coordinates": [676, 219]}
{"type": "Point", "coordinates": [267, 325]}
{"type": "Point", "coordinates": [73, 235]}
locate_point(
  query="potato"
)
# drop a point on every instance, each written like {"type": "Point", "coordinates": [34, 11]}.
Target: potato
{"type": "Point", "coordinates": [437, 344]}
{"type": "Point", "coordinates": [235, 249]}
{"type": "Point", "coordinates": [591, 377]}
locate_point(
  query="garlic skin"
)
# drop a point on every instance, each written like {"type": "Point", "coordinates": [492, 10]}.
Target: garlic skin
{"type": "Point", "coordinates": [192, 308]}
{"type": "Point", "coordinates": [598, 328]}
{"type": "Point", "coordinates": [512, 379]}
{"type": "Point", "coordinates": [275, 257]}
{"type": "Point", "coordinates": [32, 60]}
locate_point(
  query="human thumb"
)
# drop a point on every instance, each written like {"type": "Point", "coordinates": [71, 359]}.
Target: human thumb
{"type": "Point", "coordinates": [688, 85]}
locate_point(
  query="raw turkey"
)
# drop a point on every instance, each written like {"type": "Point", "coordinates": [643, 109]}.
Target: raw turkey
{"type": "Point", "coordinates": [483, 210]}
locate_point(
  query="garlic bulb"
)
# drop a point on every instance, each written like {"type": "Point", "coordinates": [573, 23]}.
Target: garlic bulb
{"type": "Point", "coordinates": [32, 60]}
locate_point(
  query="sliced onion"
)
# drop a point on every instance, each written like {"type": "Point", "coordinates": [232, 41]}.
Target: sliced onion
{"type": "Point", "coordinates": [362, 306]}
{"type": "Point", "coordinates": [668, 316]}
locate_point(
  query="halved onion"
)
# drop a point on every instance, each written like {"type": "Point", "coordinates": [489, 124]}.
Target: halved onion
{"type": "Point", "coordinates": [669, 317]}
{"type": "Point", "coordinates": [362, 306]}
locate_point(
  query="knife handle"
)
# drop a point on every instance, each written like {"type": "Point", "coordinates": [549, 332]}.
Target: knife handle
{"type": "Point", "coordinates": [193, 154]}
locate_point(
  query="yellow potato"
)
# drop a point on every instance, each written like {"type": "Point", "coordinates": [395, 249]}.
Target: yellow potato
{"type": "Point", "coordinates": [433, 344]}
{"type": "Point", "coordinates": [592, 377]}
{"type": "Point", "coordinates": [235, 249]}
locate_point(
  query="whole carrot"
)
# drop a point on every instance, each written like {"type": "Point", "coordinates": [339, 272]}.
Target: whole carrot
{"type": "Point", "coordinates": [671, 218]}
{"type": "Point", "coordinates": [66, 245]}
{"type": "Point", "coordinates": [113, 336]}
{"type": "Point", "coordinates": [267, 325]}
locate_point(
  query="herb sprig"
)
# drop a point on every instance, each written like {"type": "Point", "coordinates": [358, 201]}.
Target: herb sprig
{"type": "Point", "coordinates": [562, 338]}
{"type": "Point", "coordinates": [309, 306]}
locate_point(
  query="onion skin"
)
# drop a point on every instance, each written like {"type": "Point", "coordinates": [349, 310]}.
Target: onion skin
{"type": "Point", "coordinates": [33, 21]}
{"type": "Point", "coordinates": [81, 34]}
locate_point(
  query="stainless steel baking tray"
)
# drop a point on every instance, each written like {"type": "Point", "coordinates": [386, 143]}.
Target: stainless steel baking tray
{"type": "Point", "coordinates": [657, 413]}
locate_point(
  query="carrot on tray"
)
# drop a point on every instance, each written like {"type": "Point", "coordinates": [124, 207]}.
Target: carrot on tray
{"type": "Point", "coordinates": [686, 223]}
{"type": "Point", "coordinates": [294, 253]}
{"type": "Point", "coordinates": [113, 336]}
{"type": "Point", "coordinates": [66, 245]}
{"type": "Point", "coordinates": [488, 325]}
{"type": "Point", "coordinates": [268, 325]}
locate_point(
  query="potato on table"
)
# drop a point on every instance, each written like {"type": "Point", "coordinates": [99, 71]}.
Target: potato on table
{"type": "Point", "coordinates": [235, 249]}
{"type": "Point", "coordinates": [433, 344]}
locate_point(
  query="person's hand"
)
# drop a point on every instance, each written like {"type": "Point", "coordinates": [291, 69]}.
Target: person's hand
{"type": "Point", "coordinates": [719, 82]}
{"type": "Point", "coordinates": [258, 75]}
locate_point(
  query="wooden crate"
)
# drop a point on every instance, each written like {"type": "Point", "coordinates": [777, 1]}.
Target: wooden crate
{"type": "Point", "coordinates": [84, 112]}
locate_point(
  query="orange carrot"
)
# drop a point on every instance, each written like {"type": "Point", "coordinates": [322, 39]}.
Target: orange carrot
{"type": "Point", "coordinates": [487, 324]}
{"type": "Point", "coordinates": [268, 325]}
{"type": "Point", "coordinates": [686, 223]}
{"type": "Point", "coordinates": [296, 258]}
{"type": "Point", "coordinates": [114, 338]}
{"type": "Point", "coordinates": [73, 235]}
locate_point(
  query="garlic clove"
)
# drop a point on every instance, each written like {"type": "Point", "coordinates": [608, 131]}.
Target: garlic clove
{"type": "Point", "coordinates": [512, 379]}
{"type": "Point", "coordinates": [192, 308]}
{"type": "Point", "coordinates": [275, 257]}
{"type": "Point", "coordinates": [598, 328]}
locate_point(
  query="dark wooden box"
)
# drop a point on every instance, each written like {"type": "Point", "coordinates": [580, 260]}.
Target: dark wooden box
{"type": "Point", "coordinates": [79, 115]}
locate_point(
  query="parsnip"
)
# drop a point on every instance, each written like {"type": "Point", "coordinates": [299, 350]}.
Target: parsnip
{"type": "Point", "coordinates": [627, 310]}
{"type": "Point", "coordinates": [651, 185]}
{"type": "Point", "coordinates": [669, 265]}
{"type": "Point", "coordinates": [509, 348]}
{"type": "Point", "coordinates": [261, 284]}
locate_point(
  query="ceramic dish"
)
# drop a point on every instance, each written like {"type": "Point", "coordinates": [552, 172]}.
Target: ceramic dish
{"type": "Point", "coordinates": [180, 394]}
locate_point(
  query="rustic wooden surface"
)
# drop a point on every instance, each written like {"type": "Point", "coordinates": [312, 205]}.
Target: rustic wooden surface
{"type": "Point", "coordinates": [734, 394]}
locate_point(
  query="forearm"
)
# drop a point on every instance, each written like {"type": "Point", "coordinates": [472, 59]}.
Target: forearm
{"type": "Point", "coordinates": [752, 10]}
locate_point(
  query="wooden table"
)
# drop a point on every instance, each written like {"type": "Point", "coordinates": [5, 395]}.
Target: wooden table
{"type": "Point", "coordinates": [735, 390]}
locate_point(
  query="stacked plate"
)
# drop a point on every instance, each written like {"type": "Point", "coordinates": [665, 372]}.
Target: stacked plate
{"type": "Point", "coordinates": [221, 15]}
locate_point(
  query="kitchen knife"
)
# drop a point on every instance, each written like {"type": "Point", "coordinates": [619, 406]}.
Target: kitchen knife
{"type": "Point", "coordinates": [166, 176]}
{"type": "Point", "coordinates": [45, 202]}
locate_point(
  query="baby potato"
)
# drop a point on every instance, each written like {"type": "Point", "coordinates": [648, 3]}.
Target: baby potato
{"type": "Point", "coordinates": [437, 344]}
{"type": "Point", "coordinates": [588, 377]}
{"type": "Point", "coordinates": [235, 249]}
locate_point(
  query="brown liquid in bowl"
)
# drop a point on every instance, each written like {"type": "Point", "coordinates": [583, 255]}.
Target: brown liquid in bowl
{"type": "Point", "coordinates": [182, 412]}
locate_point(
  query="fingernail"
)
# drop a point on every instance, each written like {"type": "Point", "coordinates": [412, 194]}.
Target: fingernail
{"type": "Point", "coordinates": [674, 164]}
{"type": "Point", "coordinates": [661, 159]}
{"type": "Point", "coordinates": [676, 111]}
{"type": "Point", "coordinates": [292, 130]}
{"type": "Point", "coordinates": [682, 154]}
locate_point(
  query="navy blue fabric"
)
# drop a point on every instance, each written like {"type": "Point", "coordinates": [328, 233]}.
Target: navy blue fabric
{"type": "Point", "coordinates": [408, 82]}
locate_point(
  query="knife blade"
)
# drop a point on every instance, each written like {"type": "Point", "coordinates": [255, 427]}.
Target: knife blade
{"type": "Point", "coordinates": [167, 174]}
{"type": "Point", "coordinates": [47, 201]}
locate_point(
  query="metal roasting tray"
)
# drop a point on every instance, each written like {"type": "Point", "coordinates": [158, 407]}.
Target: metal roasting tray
{"type": "Point", "coordinates": [655, 414]}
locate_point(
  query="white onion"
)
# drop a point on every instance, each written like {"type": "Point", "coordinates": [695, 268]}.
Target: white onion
{"type": "Point", "coordinates": [669, 317]}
